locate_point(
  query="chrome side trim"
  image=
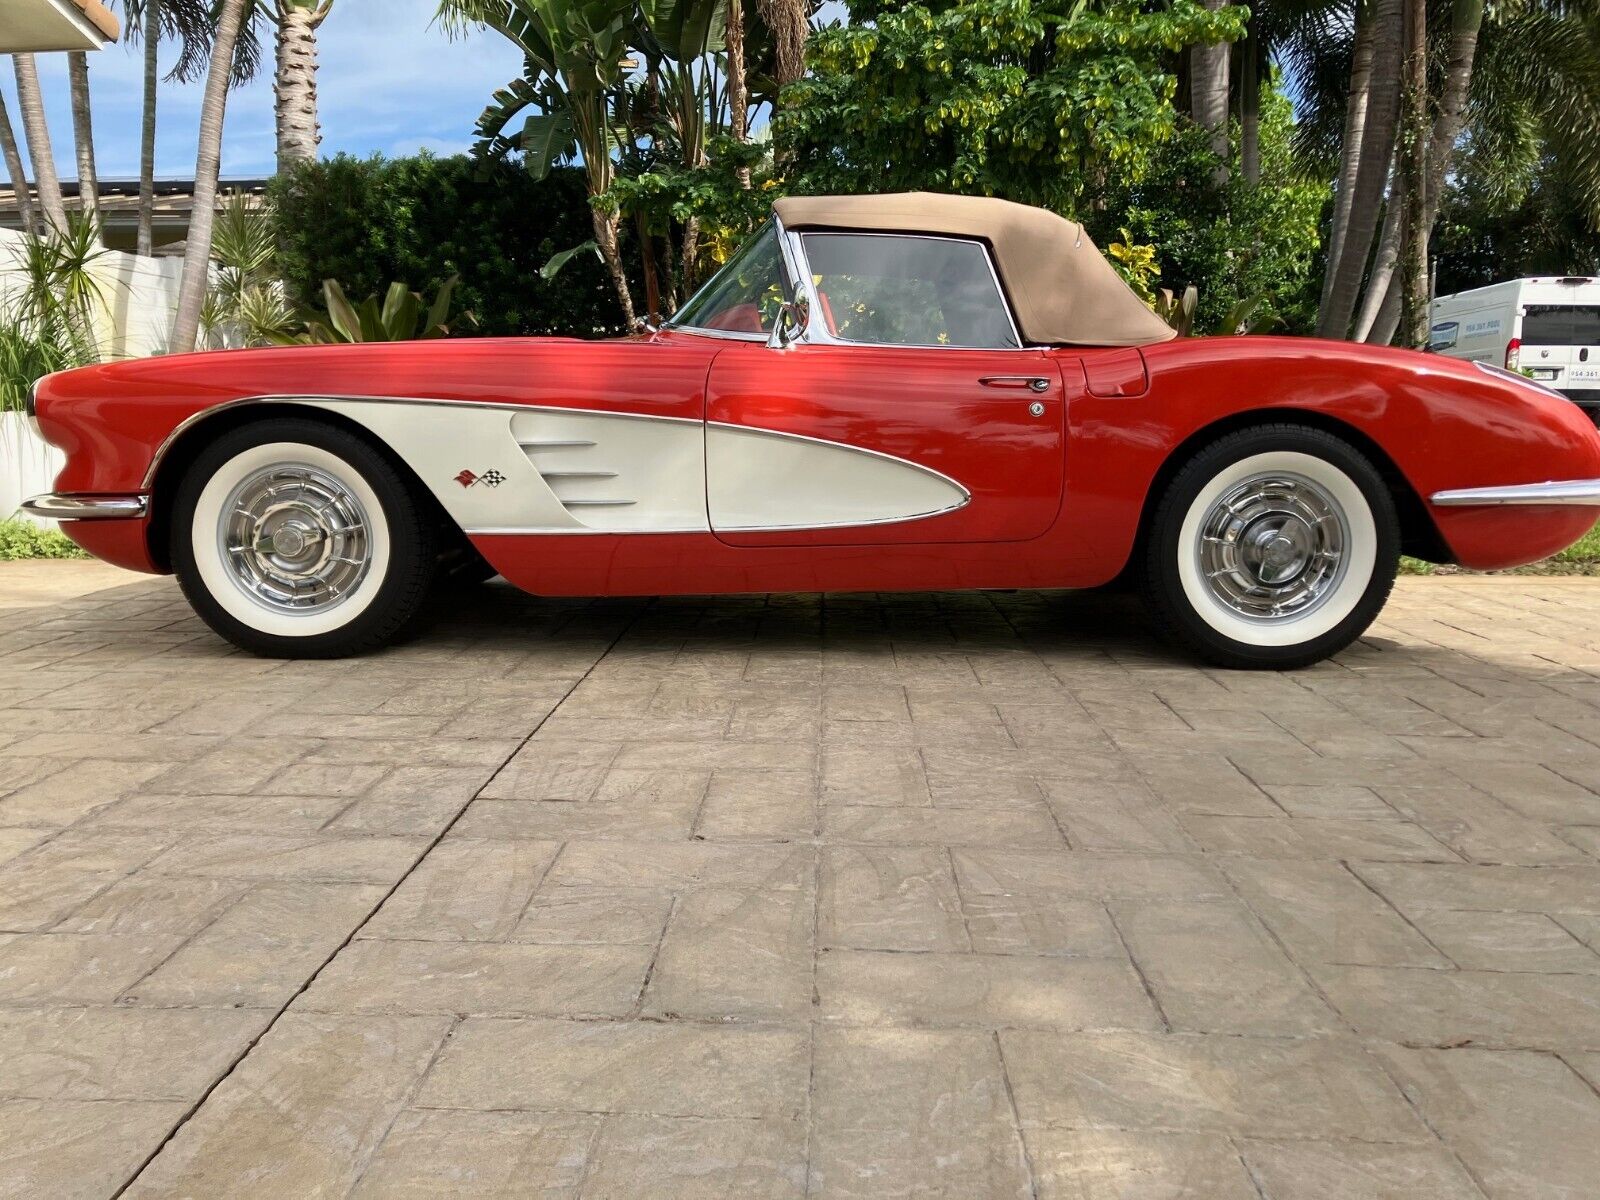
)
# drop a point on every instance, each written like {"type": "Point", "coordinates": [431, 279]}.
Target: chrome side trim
{"type": "Point", "coordinates": [817, 332]}
{"type": "Point", "coordinates": [922, 516]}
{"type": "Point", "coordinates": [56, 507]}
{"type": "Point", "coordinates": [1560, 491]}
{"type": "Point", "coordinates": [546, 531]}
{"type": "Point", "coordinates": [311, 398]}
{"type": "Point", "coordinates": [904, 462]}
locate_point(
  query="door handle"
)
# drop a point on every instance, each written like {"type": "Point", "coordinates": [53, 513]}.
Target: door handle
{"type": "Point", "coordinates": [1033, 383]}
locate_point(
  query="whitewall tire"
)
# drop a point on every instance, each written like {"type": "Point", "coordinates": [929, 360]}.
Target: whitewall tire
{"type": "Point", "coordinates": [1272, 547]}
{"type": "Point", "coordinates": [297, 539]}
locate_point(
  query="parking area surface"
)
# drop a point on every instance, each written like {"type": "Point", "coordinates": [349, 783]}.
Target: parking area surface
{"type": "Point", "coordinates": [961, 895]}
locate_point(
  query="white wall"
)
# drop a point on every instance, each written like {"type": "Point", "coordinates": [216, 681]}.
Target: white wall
{"type": "Point", "coordinates": [28, 465]}
{"type": "Point", "coordinates": [140, 296]}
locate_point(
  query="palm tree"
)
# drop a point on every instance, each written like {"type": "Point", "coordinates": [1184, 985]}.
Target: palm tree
{"type": "Point", "coordinates": [31, 101]}
{"type": "Point", "coordinates": [1373, 157]}
{"type": "Point", "coordinates": [208, 164]}
{"type": "Point", "coordinates": [297, 22]}
{"type": "Point", "coordinates": [150, 22]}
{"type": "Point", "coordinates": [738, 86]}
{"type": "Point", "coordinates": [14, 167]}
{"type": "Point", "coordinates": [1208, 95]}
{"type": "Point", "coordinates": [83, 134]}
{"type": "Point", "coordinates": [574, 51]}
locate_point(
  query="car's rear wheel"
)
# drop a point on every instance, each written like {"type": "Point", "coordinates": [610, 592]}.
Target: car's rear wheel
{"type": "Point", "coordinates": [295, 539]}
{"type": "Point", "coordinates": [1272, 547]}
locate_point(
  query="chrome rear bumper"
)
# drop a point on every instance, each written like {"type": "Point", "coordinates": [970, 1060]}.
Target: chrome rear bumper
{"type": "Point", "coordinates": [1561, 491]}
{"type": "Point", "coordinates": [54, 507]}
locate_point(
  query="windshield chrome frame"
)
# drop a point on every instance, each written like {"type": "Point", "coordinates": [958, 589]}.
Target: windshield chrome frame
{"type": "Point", "coordinates": [786, 282]}
{"type": "Point", "coordinates": [817, 331]}
{"type": "Point", "coordinates": [797, 279]}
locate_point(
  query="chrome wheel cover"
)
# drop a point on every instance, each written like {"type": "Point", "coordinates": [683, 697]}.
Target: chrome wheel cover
{"type": "Point", "coordinates": [1272, 547]}
{"type": "Point", "coordinates": [294, 539]}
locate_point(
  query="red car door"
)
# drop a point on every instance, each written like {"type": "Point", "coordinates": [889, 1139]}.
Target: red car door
{"type": "Point", "coordinates": [829, 444]}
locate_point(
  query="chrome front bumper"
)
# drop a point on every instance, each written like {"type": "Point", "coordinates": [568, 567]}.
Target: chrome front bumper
{"type": "Point", "coordinates": [54, 507]}
{"type": "Point", "coordinates": [1561, 491]}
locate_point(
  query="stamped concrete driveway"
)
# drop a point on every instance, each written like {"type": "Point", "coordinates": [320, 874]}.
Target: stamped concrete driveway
{"type": "Point", "coordinates": [961, 895]}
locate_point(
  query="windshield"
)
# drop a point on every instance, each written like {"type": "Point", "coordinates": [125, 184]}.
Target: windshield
{"type": "Point", "coordinates": [743, 297]}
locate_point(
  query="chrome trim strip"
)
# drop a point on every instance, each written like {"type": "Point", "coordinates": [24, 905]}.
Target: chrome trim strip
{"type": "Point", "coordinates": [795, 240]}
{"type": "Point", "coordinates": [802, 437]}
{"type": "Point", "coordinates": [922, 516]}
{"type": "Point", "coordinates": [1558, 491]}
{"type": "Point", "coordinates": [565, 531]}
{"type": "Point", "coordinates": [312, 399]}
{"type": "Point", "coordinates": [53, 506]}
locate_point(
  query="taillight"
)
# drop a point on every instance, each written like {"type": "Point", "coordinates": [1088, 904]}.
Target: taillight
{"type": "Point", "coordinates": [1513, 354]}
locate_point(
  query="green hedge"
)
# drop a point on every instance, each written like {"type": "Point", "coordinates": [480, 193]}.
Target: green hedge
{"type": "Point", "coordinates": [368, 222]}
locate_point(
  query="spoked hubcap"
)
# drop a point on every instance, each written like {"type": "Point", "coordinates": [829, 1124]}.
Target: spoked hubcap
{"type": "Point", "coordinates": [295, 539]}
{"type": "Point", "coordinates": [1273, 546]}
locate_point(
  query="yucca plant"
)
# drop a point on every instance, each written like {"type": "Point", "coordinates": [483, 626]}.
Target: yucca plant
{"type": "Point", "coordinates": [397, 317]}
{"type": "Point", "coordinates": [246, 305]}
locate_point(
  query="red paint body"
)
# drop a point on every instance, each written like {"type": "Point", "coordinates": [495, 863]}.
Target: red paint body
{"type": "Point", "coordinates": [1057, 499]}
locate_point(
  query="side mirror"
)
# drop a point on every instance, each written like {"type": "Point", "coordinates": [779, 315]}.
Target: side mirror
{"type": "Point", "coordinates": [790, 324]}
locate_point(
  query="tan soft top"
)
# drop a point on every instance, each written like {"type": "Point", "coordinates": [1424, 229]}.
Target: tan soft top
{"type": "Point", "coordinates": [1063, 291]}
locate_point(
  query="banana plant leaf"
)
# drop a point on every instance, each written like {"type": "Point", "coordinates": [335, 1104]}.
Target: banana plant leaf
{"type": "Point", "coordinates": [563, 257]}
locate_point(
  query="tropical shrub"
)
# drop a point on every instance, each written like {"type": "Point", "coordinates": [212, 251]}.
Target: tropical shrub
{"type": "Point", "coordinates": [246, 305]}
{"type": "Point", "coordinates": [1240, 241]}
{"type": "Point", "coordinates": [21, 539]}
{"type": "Point", "coordinates": [366, 222]}
{"type": "Point", "coordinates": [1012, 98]}
{"type": "Point", "coordinates": [398, 317]}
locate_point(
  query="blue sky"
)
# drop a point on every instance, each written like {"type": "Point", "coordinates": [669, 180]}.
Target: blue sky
{"type": "Point", "coordinates": [390, 83]}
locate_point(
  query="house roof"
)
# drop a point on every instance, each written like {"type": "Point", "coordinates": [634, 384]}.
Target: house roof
{"type": "Point", "coordinates": [43, 25]}
{"type": "Point", "coordinates": [1061, 288]}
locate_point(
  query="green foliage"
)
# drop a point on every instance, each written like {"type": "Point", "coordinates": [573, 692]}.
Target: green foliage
{"type": "Point", "coordinates": [246, 305]}
{"type": "Point", "coordinates": [21, 539]}
{"type": "Point", "coordinates": [1136, 264]}
{"type": "Point", "coordinates": [1014, 98]}
{"type": "Point", "coordinates": [23, 360]}
{"type": "Point", "coordinates": [398, 317]}
{"type": "Point", "coordinates": [368, 221]}
{"type": "Point", "coordinates": [1235, 242]}
{"type": "Point", "coordinates": [47, 316]}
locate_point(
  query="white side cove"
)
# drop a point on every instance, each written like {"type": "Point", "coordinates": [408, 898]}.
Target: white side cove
{"type": "Point", "coordinates": [512, 469]}
{"type": "Point", "coordinates": [761, 480]}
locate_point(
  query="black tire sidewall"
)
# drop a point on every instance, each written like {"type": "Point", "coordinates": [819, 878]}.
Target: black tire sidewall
{"type": "Point", "coordinates": [1163, 588]}
{"type": "Point", "coordinates": [412, 552]}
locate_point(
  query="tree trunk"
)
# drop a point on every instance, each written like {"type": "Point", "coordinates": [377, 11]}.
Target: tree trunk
{"type": "Point", "coordinates": [1466, 18]}
{"type": "Point", "coordinates": [789, 23]}
{"type": "Point", "coordinates": [1383, 264]}
{"type": "Point", "coordinates": [14, 168]}
{"type": "Point", "coordinates": [1355, 125]}
{"type": "Point", "coordinates": [296, 84]}
{"type": "Point", "coordinates": [31, 101]}
{"type": "Point", "coordinates": [208, 163]}
{"type": "Point", "coordinates": [605, 235]}
{"type": "Point", "coordinates": [652, 280]}
{"type": "Point", "coordinates": [1377, 151]}
{"type": "Point", "coordinates": [1250, 109]}
{"type": "Point", "coordinates": [1208, 96]}
{"type": "Point", "coordinates": [83, 135]}
{"type": "Point", "coordinates": [1414, 168]}
{"type": "Point", "coordinates": [147, 135]}
{"type": "Point", "coordinates": [738, 92]}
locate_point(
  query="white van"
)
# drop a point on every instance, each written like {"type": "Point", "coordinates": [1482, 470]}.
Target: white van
{"type": "Point", "coordinates": [1548, 328]}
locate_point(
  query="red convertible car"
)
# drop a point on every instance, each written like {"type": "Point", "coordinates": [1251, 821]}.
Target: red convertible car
{"type": "Point", "coordinates": [875, 393]}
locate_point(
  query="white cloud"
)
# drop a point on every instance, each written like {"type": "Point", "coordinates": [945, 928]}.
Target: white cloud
{"type": "Point", "coordinates": [390, 82]}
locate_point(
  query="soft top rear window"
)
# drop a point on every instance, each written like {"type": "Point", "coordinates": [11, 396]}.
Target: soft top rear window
{"type": "Point", "coordinates": [1561, 325]}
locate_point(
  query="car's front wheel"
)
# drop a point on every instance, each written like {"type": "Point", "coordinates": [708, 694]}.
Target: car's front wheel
{"type": "Point", "coordinates": [1272, 547]}
{"type": "Point", "coordinates": [295, 539]}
